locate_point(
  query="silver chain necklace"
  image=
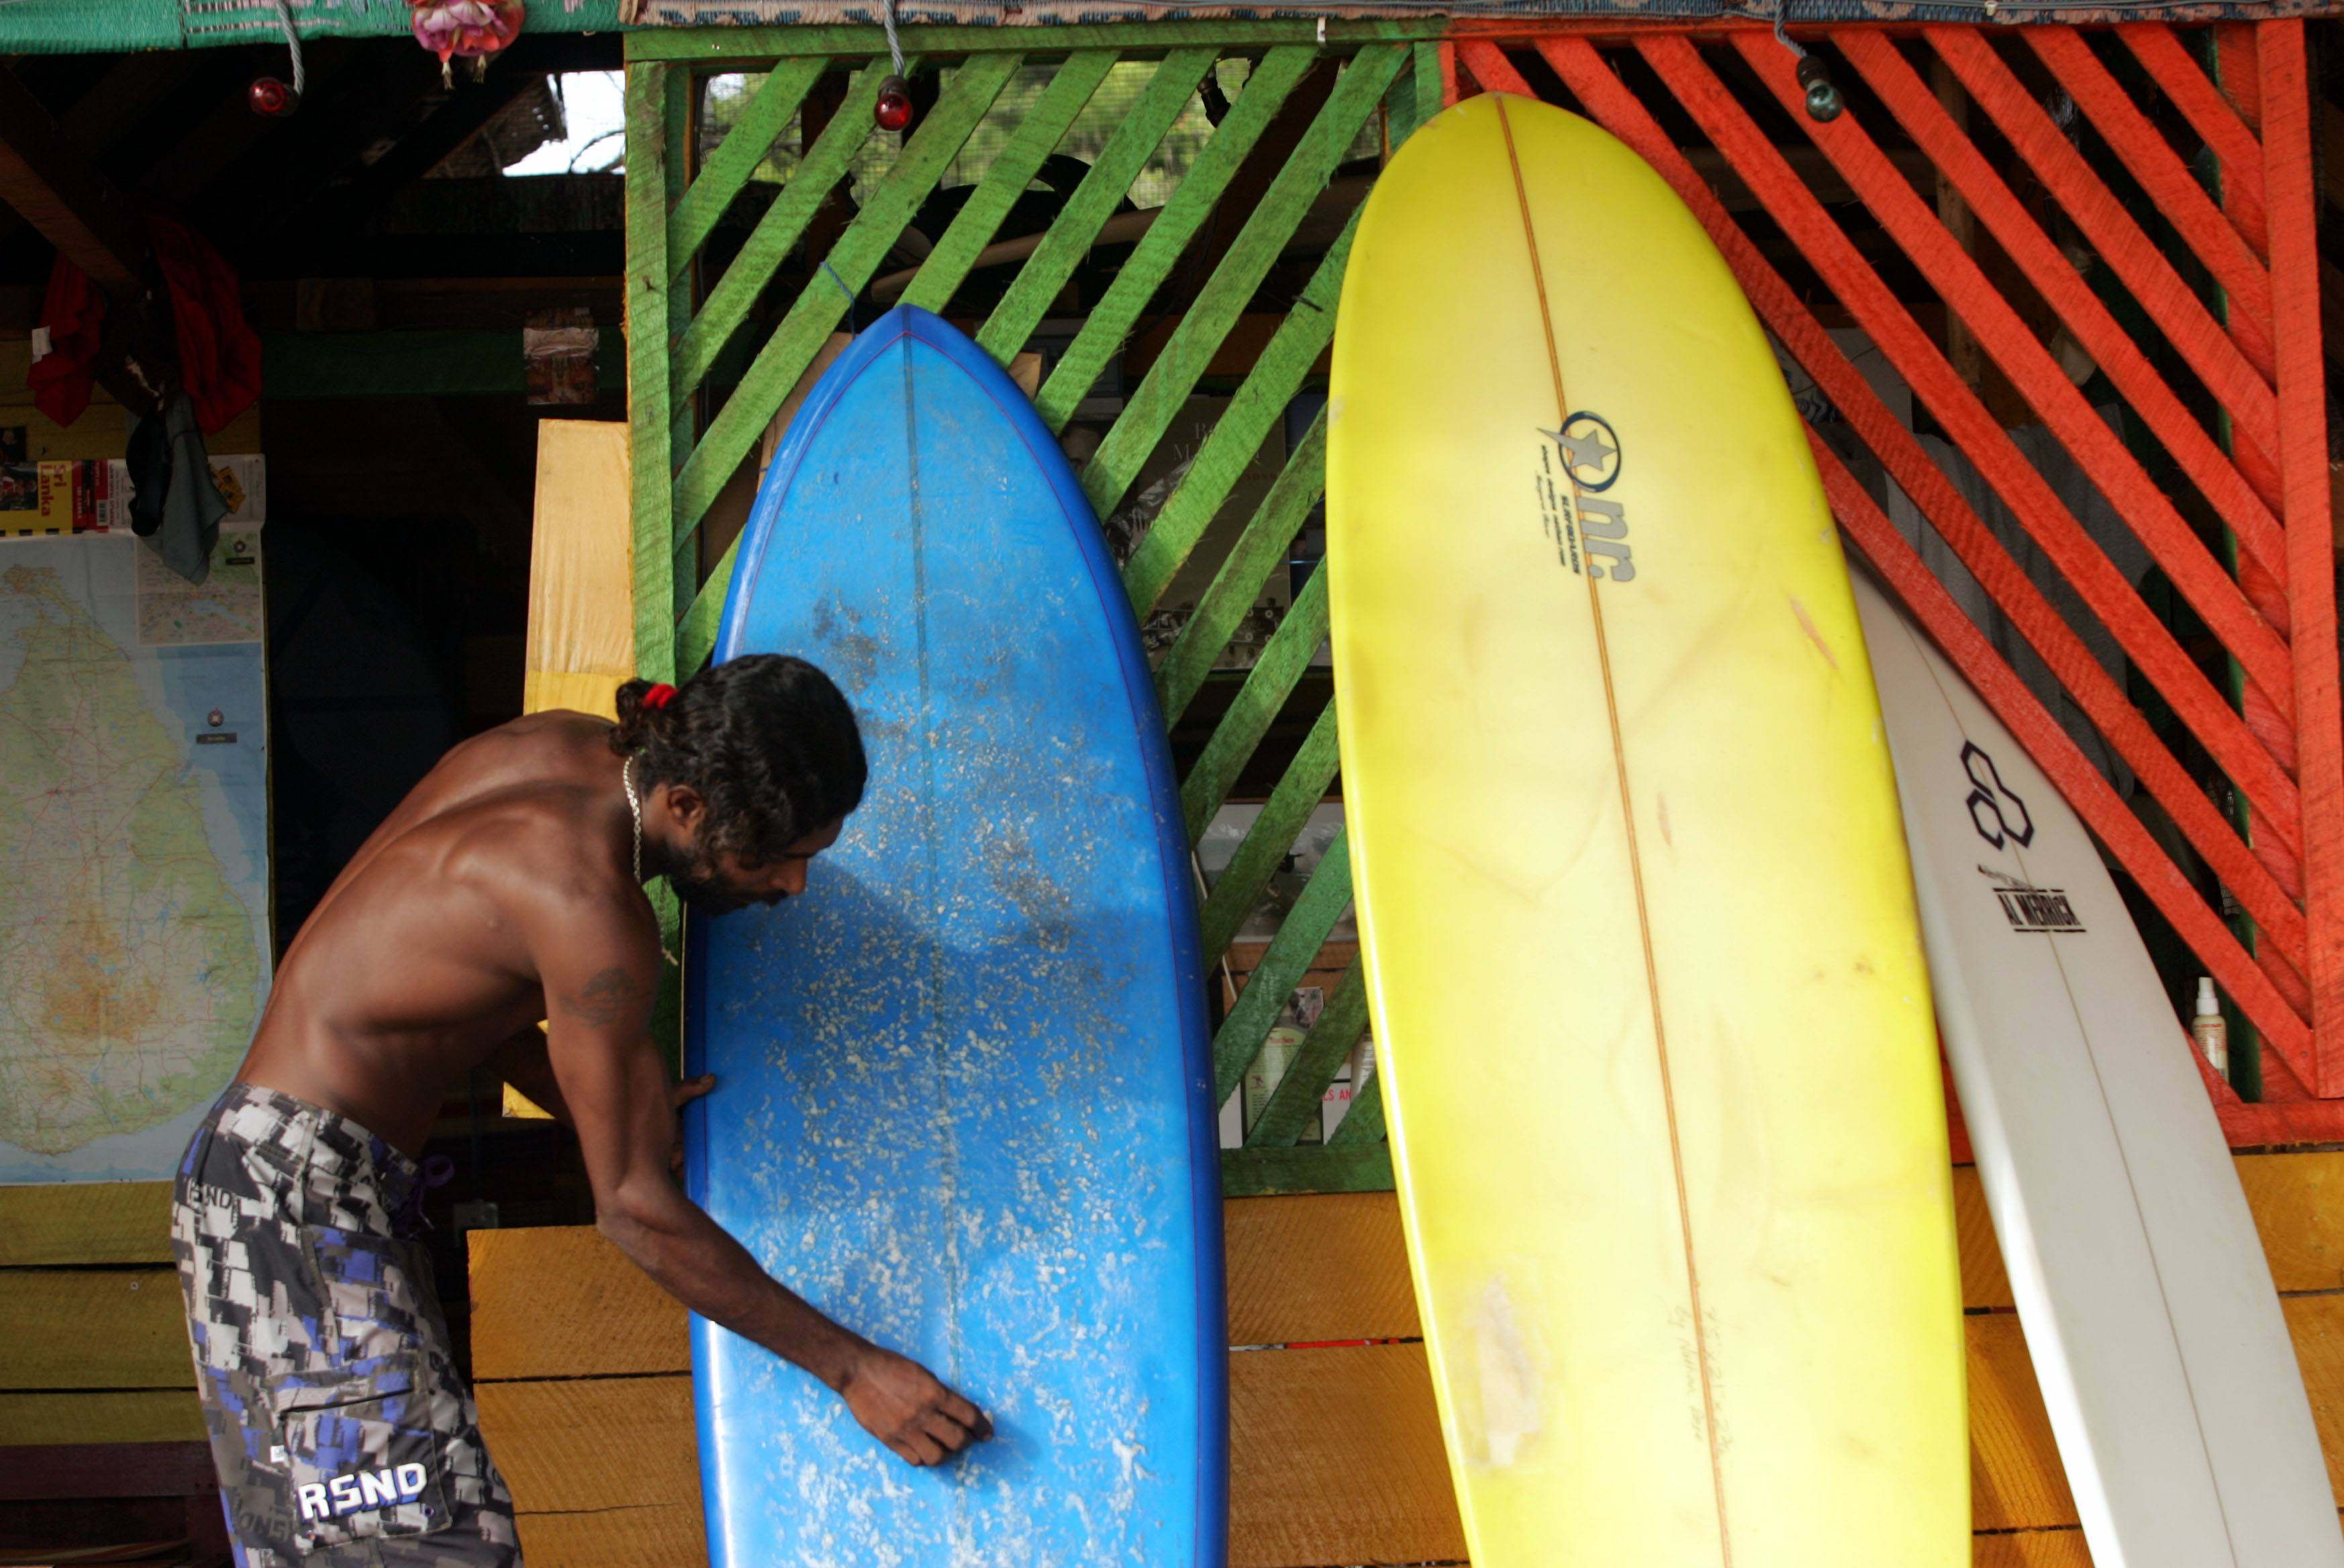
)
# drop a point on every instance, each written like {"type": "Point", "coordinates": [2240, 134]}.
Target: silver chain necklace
{"type": "Point", "coordinates": [635, 809]}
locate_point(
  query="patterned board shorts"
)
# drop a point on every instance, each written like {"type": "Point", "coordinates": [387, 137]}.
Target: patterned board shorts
{"type": "Point", "coordinates": [343, 1433]}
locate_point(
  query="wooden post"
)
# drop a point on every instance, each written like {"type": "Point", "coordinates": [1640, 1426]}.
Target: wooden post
{"type": "Point", "coordinates": [651, 435]}
{"type": "Point", "coordinates": [650, 410]}
{"type": "Point", "coordinates": [2311, 559]}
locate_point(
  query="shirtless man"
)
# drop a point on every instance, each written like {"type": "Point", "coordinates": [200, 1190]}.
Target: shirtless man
{"type": "Point", "coordinates": [506, 888]}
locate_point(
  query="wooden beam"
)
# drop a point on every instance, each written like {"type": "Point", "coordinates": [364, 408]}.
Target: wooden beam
{"type": "Point", "coordinates": [93, 1328]}
{"type": "Point", "coordinates": [85, 1223]}
{"type": "Point", "coordinates": [1336, 1453]}
{"type": "Point", "coordinates": [455, 122]}
{"type": "Point", "coordinates": [669, 1533]}
{"type": "Point", "coordinates": [108, 112]}
{"type": "Point", "coordinates": [758, 48]}
{"type": "Point", "coordinates": [61, 194]}
{"type": "Point", "coordinates": [207, 147]}
{"type": "Point", "coordinates": [2062, 1548]}
{"type": "Point", "coordinates": [402, 304]}
{"type": "Point", "coordinates": [303, 365]}
{"type": "Point", "coordinates": [1315, 1269]}
{"type": "Point", "coordinates": [374, 101]}
{"type": "Point", "coordinates": [100, 1415]}
{"type": "Point", "coordinates": [468, 106]}
{"type": "Point", "coordinates": [1335, 1456]}
{"type": "Point", "coordinates": [646, 1453]}
{"type": "Point", "coordinates": [47, 1472]}
{"type": "Point", "coordinates": [560, 1301]}
{"type": "Point", "coordinates": [581, 591]}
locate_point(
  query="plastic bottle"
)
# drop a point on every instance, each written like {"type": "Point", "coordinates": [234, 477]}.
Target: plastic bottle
{"type": "Point", "coordinates": [2211, 1031]}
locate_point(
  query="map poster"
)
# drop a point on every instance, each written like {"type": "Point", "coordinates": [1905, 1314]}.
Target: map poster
{"type": "Point", "coordinates": [134, 946]}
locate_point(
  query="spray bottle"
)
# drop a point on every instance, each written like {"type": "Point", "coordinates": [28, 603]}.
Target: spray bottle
{"type": "Point", "coordinates": [2211, 1032]}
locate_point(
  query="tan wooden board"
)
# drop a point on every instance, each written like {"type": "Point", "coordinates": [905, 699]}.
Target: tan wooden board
{"type": "Point", "coordinates": [1983, 1282]}
{"type": "Point", "coordinates": [562, 1302]}
{"type": "Point", "coordinates": [575, 1444]}
{"type": "Point", "coordinates": [85, 1223]}
{"type": "Point", "coordinates": [1327, 1267]}
{"type": "Point", "coordinates": [1332, 1446]}
{"type": "Point", "coordinates": [2023, 1549]}
{"type": "Point", "coordinates": [134, 1415]}
{"type": "Point", "coordinates": [579, 646]}
{"type": "Point", "coordinates": [2299, 1205]}
{"type": "Point", "coordinates": [2317, 1323]}
{"type": "Point", "coordinates": [2016, 1481]}
{"type": "Point", "coordinates": [1335, 1456]}
{"type": "Point", "coordinates": [93, 1328]}
{"type": "Point", "coordinates": [581, 599]}
{"type": "Point", "coordinates": [2297, 1199]}
{"type": "Point", "coordinates": [635, 1535]}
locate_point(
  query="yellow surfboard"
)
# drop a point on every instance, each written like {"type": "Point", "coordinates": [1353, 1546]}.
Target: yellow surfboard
{"type": "Point", "coordinates": [1652, 1013]}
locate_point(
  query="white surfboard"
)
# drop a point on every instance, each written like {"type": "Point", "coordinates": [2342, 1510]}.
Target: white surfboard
{"type": "Point", "coordinates": [2149, 1312]}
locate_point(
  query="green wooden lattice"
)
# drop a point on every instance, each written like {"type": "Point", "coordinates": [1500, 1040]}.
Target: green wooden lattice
{"type": "Point", "coordinates": [691, 434]}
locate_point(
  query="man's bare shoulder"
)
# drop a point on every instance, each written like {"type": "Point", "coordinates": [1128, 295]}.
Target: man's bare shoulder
{"type": "Point", "coordinates": [558, 739]}
{"type": "Point", "coordinates": [532, 813]}
{"type": "Point", "coordinates": [547, 842]}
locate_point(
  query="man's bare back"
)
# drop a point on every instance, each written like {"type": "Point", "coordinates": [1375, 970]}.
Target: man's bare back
{"type": "Point", "coordinates": [504, 890]}
{"type": "Point", "coordinates": [416, 967]}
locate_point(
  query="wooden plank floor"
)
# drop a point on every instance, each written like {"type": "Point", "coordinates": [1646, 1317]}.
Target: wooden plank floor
{"type": "Point", "coordinates": [583, 1373]}
{"type": "Point", "coordinates": [584, 1387]}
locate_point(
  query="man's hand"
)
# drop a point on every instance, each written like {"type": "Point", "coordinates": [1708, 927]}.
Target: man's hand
{"type": "Point", "coordinates": [901, 1404]}
{"type": "Point", "coordinates": [598, 957]}
{"type": "Point", "coordinates": [683, 1095]}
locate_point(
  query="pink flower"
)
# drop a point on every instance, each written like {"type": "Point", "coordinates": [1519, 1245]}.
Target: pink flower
{"type": "Point", "coordinates": [466, 27]}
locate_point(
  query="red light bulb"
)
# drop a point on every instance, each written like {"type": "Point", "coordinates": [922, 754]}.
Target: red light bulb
{"type": "Point", "coordinates": [893, 109]}
{"type": "Point", "coordinates": [271, 98]}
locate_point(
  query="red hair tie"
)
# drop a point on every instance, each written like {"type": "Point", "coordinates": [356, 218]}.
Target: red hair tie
{"type": "Point", "coordinates": [658, 697]}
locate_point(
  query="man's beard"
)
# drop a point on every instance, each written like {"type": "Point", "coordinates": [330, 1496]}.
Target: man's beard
{"type": "Point", "coordinates": [698, 886]}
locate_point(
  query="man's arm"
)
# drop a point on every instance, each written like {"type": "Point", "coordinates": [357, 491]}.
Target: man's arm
{"type": "Point", "coordinates": [599, 986]}
{"type": "Point", "coordinates": [521, 1063]}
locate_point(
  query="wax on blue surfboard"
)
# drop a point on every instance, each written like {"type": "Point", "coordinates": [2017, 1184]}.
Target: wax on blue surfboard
{"type": "Point", "coordinates": [964, 1092]}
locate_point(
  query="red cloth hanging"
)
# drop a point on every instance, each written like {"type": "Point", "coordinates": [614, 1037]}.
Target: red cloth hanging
{"type": "Point", "coordinates": [219, 353]}
{"type": "Point", "coordinates": [73, 312]}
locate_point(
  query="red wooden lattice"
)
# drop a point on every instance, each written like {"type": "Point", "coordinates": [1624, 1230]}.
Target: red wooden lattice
{"type": "Point", "coordinates": [2238, 310]}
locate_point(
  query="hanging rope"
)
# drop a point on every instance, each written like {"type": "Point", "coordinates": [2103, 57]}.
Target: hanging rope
{"type": "Point", "coordinates": [293, 42]}
{"type": "Point", "coordinates": [270, 97]}
{"type": "Point", "coordinates": [892, 108]}
{"type": "Point", "coordinates": [1824, 103]}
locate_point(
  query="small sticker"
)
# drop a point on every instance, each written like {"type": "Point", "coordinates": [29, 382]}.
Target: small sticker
{"type": "Point", "coordinates": [1579, 460]}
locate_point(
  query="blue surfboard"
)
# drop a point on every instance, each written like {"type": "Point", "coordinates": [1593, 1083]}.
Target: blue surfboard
{"type": "Point", "coordinates": [964, 1101]}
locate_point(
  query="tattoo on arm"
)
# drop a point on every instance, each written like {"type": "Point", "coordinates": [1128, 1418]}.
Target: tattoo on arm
{"type": "Point", "coordinates": [610, 997]}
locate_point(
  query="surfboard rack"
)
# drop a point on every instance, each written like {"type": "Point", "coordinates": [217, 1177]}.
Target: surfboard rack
{"type": "Point", "coordinates": [2216, 360]}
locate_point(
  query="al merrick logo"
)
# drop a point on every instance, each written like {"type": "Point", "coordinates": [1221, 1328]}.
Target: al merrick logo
{"type": "Point", "coordinates": [1579, 460]}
